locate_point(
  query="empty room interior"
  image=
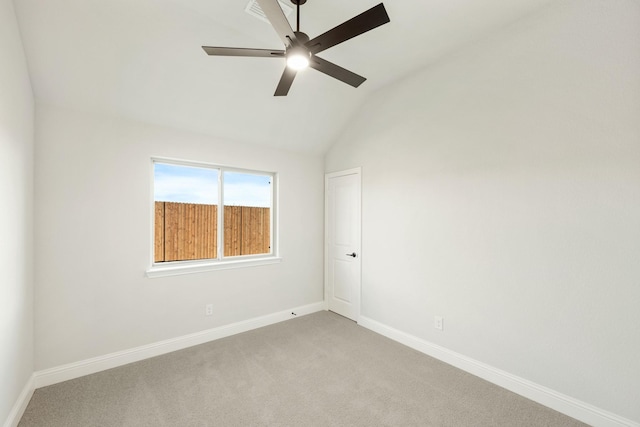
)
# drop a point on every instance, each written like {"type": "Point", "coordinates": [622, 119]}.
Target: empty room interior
{"type": "Point", "coordinates": [436, 223]}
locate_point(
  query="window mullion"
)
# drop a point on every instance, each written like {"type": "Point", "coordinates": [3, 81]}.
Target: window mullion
{"type": "Point", "coordinates": [272, 210]}
{"type": "Point", "coordinates": [220, 224]}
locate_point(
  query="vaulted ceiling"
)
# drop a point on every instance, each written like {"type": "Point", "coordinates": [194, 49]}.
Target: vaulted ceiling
{"type": "Point", "coordinates": [142, 59]}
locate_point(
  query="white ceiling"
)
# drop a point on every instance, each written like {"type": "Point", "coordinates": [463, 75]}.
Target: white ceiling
{"type": "Point", "coordinates": [142, 59]}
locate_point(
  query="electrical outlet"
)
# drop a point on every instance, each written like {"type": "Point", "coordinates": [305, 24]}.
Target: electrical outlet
{"type": "Point", "coordinates": [208, 310]}
{"type": "Point", "coordinates": [438, 323]}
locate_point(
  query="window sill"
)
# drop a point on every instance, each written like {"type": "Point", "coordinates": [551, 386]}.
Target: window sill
{"type": "Point", "coordinates": [186, 267]}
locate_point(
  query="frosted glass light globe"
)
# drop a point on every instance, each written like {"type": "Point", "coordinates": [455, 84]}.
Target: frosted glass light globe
{"type": "Point", "coordinates": [298, 59]}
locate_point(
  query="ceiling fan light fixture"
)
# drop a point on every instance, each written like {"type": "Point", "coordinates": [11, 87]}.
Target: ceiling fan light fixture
{"type": "Point", "coordinates": [301, 52]}
{"type": "Point", "coordinates": [298, 58]}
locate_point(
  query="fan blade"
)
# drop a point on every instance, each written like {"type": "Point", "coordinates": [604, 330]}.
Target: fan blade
{"type": "Point", "coordinates": [278, 21]}
{"type": "Point", "coordinates": [238, 51]}
{"type": "Point", "coordinates": [335, 71]}
{"type": "Point", "coordinates": [285, 82]}
{"type": "Point", "coordinates": [362, 23]}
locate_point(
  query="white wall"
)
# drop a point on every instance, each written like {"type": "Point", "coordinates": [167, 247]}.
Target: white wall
{"type": "Point", "coordinates": [16, 220]}
{"type": "Point", "coordinates": [93, 237]}
{"type": "Point", "coordinates": [501, 190]}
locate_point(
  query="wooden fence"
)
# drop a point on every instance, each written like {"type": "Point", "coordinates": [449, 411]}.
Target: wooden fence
{"type": "Point", "coordinates": [188, 231]}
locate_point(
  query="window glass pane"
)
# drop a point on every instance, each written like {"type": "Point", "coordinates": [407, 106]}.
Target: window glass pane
{"type": "Point", "coordinates": [186, 184]}
{"type": "Point", "coordinates": [247, 213]}
{"type": "Point", "coordinates": [185, 226]}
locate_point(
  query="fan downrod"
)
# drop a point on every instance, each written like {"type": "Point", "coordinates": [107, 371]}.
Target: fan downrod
{"type": "Point", "coordinates": [299, 3]}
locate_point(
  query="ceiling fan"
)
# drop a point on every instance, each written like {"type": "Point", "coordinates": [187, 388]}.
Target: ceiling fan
{"type": "Point", "coordinates": [300, 51]}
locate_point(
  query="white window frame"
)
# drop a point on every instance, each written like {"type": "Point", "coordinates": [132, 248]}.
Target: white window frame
{"type": "Point", "coordinates": [173, 268]}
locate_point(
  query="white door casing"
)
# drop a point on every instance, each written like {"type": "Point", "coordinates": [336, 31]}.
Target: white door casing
{"type": "Point", "coordinates": [342, 242]}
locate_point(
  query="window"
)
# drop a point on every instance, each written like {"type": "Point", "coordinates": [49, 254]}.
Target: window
{"type": "Point", "coordinates": [189, 227]}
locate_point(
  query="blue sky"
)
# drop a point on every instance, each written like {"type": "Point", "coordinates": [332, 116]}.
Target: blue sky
{"type": "Point", "coordinates": [189, 184]}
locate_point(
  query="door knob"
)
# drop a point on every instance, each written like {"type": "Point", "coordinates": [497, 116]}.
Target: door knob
{"type": "Point", "coordinates": [353, 254]}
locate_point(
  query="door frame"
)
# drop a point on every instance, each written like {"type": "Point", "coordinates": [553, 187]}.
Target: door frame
{"type": "Point", "coordinates": [327, 176]}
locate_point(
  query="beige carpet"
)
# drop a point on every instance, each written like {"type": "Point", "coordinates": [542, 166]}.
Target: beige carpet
{"type": "Point", "coordinates": [316, 370]}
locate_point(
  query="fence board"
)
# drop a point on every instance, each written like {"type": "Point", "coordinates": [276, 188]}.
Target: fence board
{"type": "Point", "coordinates": [170, 231]}
{"type": "Point", "coordinates": [188, 231]}
{"type": "Point", "coordinates": [232, 230]}
{"type": "Point", "coordinates": [158, 248]}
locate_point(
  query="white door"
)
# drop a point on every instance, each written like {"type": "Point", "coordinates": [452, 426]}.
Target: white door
{"type": "Point", "coordinates": [342, 248]}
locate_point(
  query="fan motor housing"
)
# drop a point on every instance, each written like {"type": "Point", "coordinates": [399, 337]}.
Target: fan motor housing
{"type": "Point", "coordinates": [298, 2]}
{"type": "Point", "coordinates": [301, 37]}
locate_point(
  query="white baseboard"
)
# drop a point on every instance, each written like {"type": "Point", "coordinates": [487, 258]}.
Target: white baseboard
{"type": "Point", "coordinates": [90, 366]}
{"type": "Point", "coordinates": [562, 403]}
{"type": "Point", "coordinates": [21, 404]}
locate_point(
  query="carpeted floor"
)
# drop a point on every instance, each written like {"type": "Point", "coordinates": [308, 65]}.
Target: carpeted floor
{"type": "Point", "coordinates": [316, 370]}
